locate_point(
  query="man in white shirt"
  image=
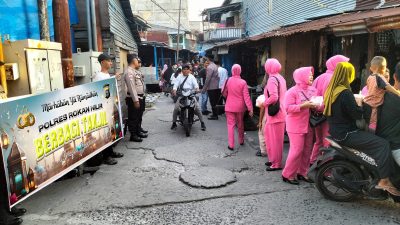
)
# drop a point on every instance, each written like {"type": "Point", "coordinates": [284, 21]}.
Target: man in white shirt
{"type": "Point", "coordinates": [222, 73]}
{"type": "Point", "coordinates": [105, 61]}
{"type": "Point", "coordinates": [189, 82]}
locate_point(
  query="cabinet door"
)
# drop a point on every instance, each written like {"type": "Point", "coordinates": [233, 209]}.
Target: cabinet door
{"type": "Point", "coordinates": [38, 71]}
{"type": "Point", "coordinates": [94, 67]}
{"type": "Point", "coordinates": [55, 67]}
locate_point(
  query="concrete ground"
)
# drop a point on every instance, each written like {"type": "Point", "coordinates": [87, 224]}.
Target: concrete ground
{"type": "Point", "coordinates": [146, 186]}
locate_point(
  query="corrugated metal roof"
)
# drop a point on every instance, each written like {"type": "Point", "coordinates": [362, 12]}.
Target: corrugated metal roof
{"type": "Point", "coordinates": [391, 3]}
{"type": "Point", "coordinates": [158, 36]}
{"type": "Point", "coordinates": [260, 17]}
{"type": "Point", "coordinates": [375, 4]}
{"type": "Point", "coordinates": [119, 24]}
{"type": "Point", "coordinates": [373, 18]}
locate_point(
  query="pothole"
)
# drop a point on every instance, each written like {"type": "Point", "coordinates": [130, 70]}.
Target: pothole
{"type": "Point", "coordinates": [208, 177]}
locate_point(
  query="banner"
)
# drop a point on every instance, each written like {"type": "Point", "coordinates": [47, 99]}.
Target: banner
{"type": "Point", "coordinates": [45, 136]}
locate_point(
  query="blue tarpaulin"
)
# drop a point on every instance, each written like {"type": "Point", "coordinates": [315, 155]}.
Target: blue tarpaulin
{"type": "Point", "coordinates": [73, 12]}
{"type": "Point", "coordinates": [20, 19]}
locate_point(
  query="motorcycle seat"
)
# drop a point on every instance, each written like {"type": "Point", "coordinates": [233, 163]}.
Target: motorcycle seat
{"type": "Point", "coordinates": [333, 142]}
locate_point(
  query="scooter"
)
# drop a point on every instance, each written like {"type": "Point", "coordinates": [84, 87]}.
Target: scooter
{"type": "Point", "coordinates": [342, 174]}
{"type": "Point", "coordinates": [187, 103]}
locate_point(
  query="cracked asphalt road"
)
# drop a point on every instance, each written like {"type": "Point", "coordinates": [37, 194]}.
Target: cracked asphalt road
{"type": "Point", "coordinates": [144, 187]}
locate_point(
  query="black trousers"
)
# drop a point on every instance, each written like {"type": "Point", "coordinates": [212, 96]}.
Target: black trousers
{"type": "Point", "coordinates": [142, 109]}
{"type": "Point", "coordinates": [108, 152]}
{"type": "Point", "coordinates": [374, 146]}
{"type": "Point", "coordinates": [134, 115]}
{"type": "Point", "coordinates": [214, 96]}
{"type": "Point", "coordinates": [5, 215]}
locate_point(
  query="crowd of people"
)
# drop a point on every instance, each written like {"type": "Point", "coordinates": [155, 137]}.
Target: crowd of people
{"type": "Point", "coordinates": [309, 112]}
{"type": "Point", "coordinates": [329, 99]}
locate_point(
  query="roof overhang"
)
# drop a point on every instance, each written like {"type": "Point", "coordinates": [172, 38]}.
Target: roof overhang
{"type": "Point", "coordinates": [344, 24]}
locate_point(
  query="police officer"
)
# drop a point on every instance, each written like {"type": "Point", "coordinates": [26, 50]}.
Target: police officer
{"type": "Point", "coordinates": [135, 99]}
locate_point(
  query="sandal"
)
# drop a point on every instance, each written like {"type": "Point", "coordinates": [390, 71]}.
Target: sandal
{"type": "Point", "coordinates": [391, 190]}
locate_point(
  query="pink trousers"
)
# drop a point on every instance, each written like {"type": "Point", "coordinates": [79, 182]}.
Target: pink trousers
{"type": "Point", "coordinates": [274, 136]}
{"type": "Point", "coordinates": [234, 119]}
{"type": "Point", "coordinates": [298, 160]}
{"type": "Point", "coordinates": [321, 132]}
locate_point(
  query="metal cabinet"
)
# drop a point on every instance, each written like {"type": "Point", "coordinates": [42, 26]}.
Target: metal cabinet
{"type": "Point", "coordinates": [55, 70]}
{"type": "Point", "coordinates": [38, 70]}
{"type": "Point", "coordinates": [86, 65]}
{"type": "Point", "coordinates": [39, 65]}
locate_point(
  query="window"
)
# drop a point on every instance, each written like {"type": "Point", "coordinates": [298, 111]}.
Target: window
{"type": "Point", "coordinates": [174, 37]}
{"type": "Point", "coordinates": [230, 21]}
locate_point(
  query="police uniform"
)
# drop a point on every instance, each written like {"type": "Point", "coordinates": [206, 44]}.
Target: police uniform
{"type": "Point", "coordinates": [135, 85]}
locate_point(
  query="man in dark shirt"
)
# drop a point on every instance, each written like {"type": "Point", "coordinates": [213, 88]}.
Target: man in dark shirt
{"type": "Point", "coordinates": [388, 126]}
{"type": "Point", "coordinates": [204, 96]}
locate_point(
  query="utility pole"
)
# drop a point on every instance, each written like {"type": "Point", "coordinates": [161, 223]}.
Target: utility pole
{"type": "Point", "coordinates": [43, 20]}
{"type": "Point", "coordinates": [179, 29]}
{"type": "Point", "coordinates": [62, 34]}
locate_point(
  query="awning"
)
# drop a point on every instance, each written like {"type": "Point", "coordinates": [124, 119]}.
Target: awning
{"type": "Point", "coordinates": [157, 44]}
{"type": "Point", "coordinates": [372, 20]}
{"type": "Point", "coordinates": [214, 14]}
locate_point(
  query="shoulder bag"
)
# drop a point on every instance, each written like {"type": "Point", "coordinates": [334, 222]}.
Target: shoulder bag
{"type": "Point", "coordinates": [273, 109]}
{"type": "Point", "coordinates": [316, 118]}
{"type": "Point", "coordinates": [179, 91]}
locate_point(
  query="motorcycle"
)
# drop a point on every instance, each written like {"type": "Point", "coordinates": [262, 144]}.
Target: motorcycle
{"type": "Point", "coordinates": [342, 174]}
{"type": "Point", "coordinates": [187, 103]}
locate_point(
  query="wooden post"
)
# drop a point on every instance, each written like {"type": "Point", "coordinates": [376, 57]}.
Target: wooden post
{"type": "Point", "coordinates": [62, 34]}
{"type": "Point", "coordinates": [155, 60]}
{"type": "Point", "coordinates": [98, 27]}
{"type": "Point", "coordinates": [371, 46]}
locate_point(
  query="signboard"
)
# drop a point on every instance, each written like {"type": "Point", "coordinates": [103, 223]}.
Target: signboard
{"type": "Point", "coordinates": [45, 136]}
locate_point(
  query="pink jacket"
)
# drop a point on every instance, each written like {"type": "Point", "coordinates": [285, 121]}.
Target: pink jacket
{"type": "Point", "coordinates": [238, 98]}
{"type": "Point", "coordinates": [297, 120]}
{"type": "Point", "coordinates": [321, 83]}
{"type": "Point", "coordinates": [272, 68]}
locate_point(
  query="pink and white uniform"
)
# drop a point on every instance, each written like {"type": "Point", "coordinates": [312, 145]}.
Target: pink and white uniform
{"type": "Point", "coordinates": [237, 101]}
{"type": "Point", "coordinates": [274, 130]}
{"type": "Point", "coordinates": [321, 84]}
{"type": "Point", "coordinates": [297, 124]}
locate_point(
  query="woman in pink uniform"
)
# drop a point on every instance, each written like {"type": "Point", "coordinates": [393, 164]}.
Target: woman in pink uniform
{"type": "Point", "coordinates": [237, 100]}
{"type": "Point", "coordinates": [321, 84]}
{"type": "Point", "coordinates": [274, 129]}
{"type": "Point", "coordinates": [298, 105]}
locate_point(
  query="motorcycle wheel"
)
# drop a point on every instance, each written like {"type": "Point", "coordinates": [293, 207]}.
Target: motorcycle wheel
{"type": "Point", "coordinates": [187, 127]}
{"type": "Point", "coordinates": [329, 188]}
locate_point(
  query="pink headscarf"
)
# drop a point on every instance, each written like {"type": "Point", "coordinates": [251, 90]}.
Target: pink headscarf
{"type": "Point", "coordinates": [302, 77]}
{"type": "Point", "coordinates": [236, 70]}
{"type": "Point", "coordinates": [272, 67]}
{"type": "Point", "coordinates": [333, 61]}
